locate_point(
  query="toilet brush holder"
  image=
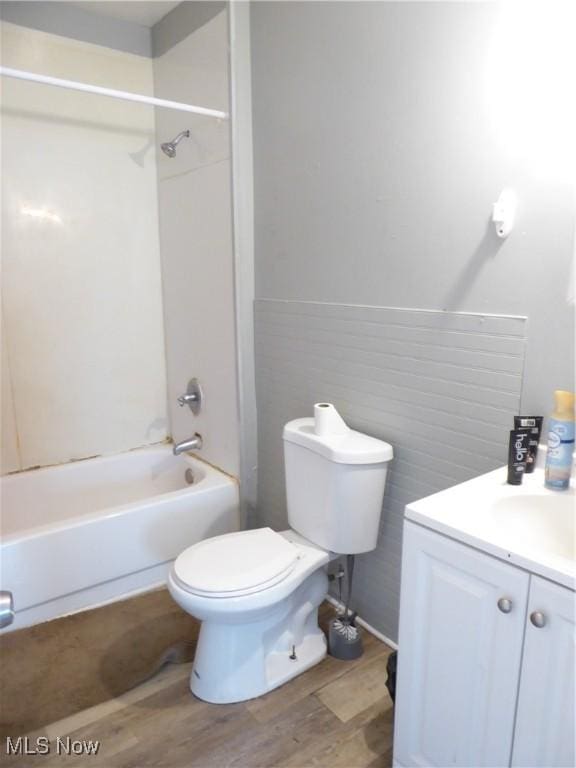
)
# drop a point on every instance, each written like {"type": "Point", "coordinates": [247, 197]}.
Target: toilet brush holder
{"type": "Point", "coordinates": [344, 638]}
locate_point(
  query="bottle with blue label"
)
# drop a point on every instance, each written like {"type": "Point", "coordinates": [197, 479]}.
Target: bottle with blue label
{"type": "Point", "coordinates": [560, 442]}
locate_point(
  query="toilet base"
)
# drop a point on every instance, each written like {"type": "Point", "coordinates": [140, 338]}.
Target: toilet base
{"type": "Point", "coordinates": [236, 662]}
{"type": "Point", "coordinates": [282, 668]}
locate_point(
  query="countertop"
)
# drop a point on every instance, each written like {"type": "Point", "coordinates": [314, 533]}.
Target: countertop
{"type": "Point", "coordinates": [528, 525]}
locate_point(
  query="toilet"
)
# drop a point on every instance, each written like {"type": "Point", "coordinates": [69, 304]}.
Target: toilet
{"type": "Point", "coordinates": [257, 592]}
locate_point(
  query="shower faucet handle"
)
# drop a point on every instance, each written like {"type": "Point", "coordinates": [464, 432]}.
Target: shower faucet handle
{"type": "Point", "coordinates": [193, 397]}
{"type": "Point", "coordinates": [187, 399]}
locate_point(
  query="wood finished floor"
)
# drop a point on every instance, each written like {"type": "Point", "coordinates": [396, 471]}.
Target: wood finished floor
{"type": "Point", "coordinates": [338, 714]}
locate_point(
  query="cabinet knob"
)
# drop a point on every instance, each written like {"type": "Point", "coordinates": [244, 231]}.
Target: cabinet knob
{"type": "Point", "coordinates": [538, 619]}
{"type": "Point", "coordinates": [505, 604]}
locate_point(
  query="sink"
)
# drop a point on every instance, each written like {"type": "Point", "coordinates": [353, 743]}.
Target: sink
{"type": "Point", "coordinates": [539, 521]}
{"type": "Point", "coordinates": [528, 525]}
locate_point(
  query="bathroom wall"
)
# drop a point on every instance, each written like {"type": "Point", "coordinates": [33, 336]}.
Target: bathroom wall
{"type": "Point", "coordinates": [378, 154]}
{"type": "Point", "coordinates": [81, 21]}
{"type": "Point", "coordinates": [83, 368]}
{"type": "Point", "coordinates": [194, 193]}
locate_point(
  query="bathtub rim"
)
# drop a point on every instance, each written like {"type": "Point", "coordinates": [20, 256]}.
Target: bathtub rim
{"type": "Point", "coordinates": [212, 477]}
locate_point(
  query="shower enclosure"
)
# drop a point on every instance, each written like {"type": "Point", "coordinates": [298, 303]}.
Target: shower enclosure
{"type": "Point", "coordinates": [118, 267]}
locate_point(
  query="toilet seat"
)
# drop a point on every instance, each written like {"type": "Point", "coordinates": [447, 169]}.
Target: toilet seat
{"type": "Point", "coordinates": [236, 564]}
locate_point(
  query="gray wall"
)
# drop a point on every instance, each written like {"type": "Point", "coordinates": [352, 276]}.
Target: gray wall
{"type": "Point", "coordinates": [376, 166]}
{"type": "Point", "coordinates": [67, 20]}
{"type": "Point", "coordinates": [71, 20]}
{"type": "Point", "coordinates": [181, 22]}
{"type": "Point", "coordinates": [439, 386]}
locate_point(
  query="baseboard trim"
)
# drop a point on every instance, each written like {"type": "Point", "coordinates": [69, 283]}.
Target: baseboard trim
{"type": "Point", "coordinates": [362, 623]}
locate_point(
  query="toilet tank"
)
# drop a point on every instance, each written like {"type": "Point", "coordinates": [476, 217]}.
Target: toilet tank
{"type": "Point", "coordinates": [335, 486]}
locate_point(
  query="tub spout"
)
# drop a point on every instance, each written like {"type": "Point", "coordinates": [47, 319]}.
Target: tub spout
{"type": "Point", "coordinates": [6, 608]}
{"type": "Point", "coordinates": [192, 444]}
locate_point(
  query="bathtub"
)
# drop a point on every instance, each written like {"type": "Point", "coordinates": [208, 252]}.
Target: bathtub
{"type": "Point", "coordinates": [81, 534]}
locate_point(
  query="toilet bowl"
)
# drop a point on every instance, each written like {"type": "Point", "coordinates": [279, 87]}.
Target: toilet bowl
{"type": "Point", "coordinates": [257, 594]}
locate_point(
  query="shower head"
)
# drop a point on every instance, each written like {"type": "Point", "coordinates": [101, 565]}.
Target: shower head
{"type": "Point", "coordinates": [169, 147]}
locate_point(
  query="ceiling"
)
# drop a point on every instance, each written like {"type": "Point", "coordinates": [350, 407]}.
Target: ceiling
{"type": "Point", "coordinates": [145, 13]}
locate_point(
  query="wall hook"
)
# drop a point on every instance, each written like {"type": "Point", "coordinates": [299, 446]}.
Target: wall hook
{"type": "Point", "coordinates": [504, 212]}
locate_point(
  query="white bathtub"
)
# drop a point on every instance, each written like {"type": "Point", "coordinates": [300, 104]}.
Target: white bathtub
{"type": "Point", "coordinates": [89, 532]}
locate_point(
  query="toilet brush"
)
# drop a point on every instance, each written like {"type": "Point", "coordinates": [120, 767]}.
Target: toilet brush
{"type": "Point", "coordinates": [344, 636]}
{"type": "Point", "coordinates": [344, 624]}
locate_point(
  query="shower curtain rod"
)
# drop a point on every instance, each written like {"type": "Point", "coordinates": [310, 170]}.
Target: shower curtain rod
{"type": "Point", "coordinates": [125, 95]}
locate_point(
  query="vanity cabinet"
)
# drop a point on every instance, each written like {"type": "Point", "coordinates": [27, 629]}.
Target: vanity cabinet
{"type": "Point", "coordinates": [546, 714]}
{"type": "Point", "coordinates": [480, 684]}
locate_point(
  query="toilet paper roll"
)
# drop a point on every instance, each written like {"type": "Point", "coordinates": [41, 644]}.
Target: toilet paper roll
{"type": "Point", "coordinates": [327, 420]}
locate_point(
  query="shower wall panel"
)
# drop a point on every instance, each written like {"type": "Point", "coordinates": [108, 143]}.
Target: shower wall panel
{"type": "Point", "coordinates": [82, 306]}
{"type": "Point", "coordinates": [196, 240]}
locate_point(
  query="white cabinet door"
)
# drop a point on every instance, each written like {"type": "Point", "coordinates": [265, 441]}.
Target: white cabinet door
{"type": "Point", "coordinates": [459, 654]}
{"type": "Point", "coordinates": [545, 721]}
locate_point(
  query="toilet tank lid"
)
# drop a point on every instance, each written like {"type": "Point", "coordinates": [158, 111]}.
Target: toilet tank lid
{"type": "Point", "coordinates": [349, 448]}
